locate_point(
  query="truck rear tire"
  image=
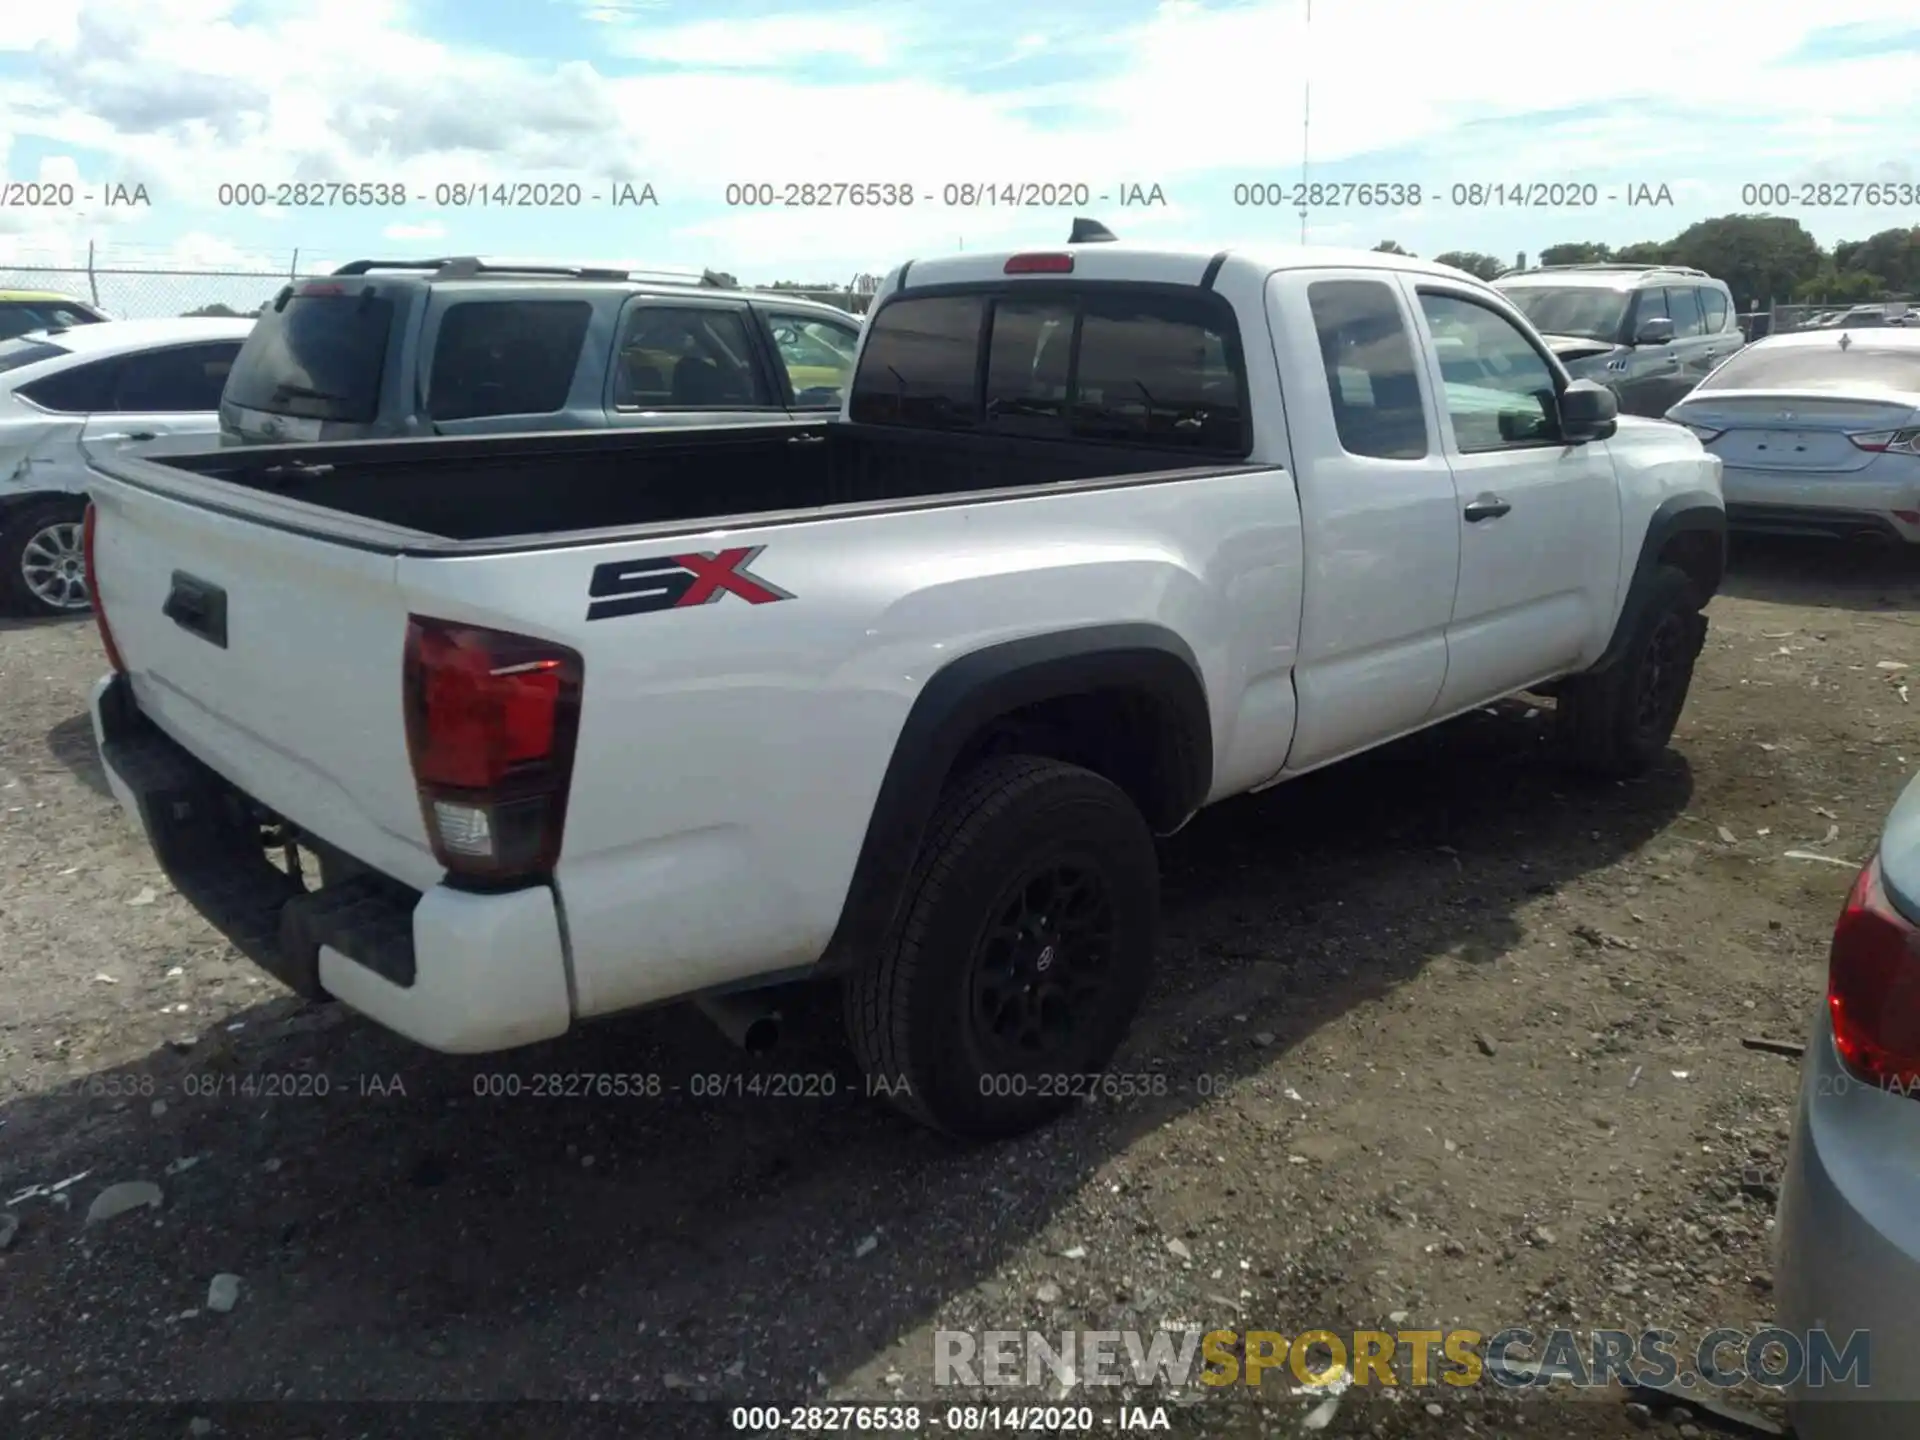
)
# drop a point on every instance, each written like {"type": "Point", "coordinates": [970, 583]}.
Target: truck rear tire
{"type": "Point", "coordinates": [1022, 951]}
{"type": "Point", "coordinates": [1617, 722]}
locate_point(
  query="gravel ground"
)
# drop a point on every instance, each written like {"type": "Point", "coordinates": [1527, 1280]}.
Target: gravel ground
{"type": "Point", "coordinates": [1439, 1039]}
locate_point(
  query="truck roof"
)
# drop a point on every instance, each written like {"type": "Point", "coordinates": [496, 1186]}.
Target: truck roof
{"type": "Point", "coordinates": [1165, 264]}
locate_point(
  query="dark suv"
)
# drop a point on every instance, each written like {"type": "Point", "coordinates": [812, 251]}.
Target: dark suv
{"type": "Point", "coordinates": [1649, 332]}
{"type": "Point", "coordinates": [381, 349]}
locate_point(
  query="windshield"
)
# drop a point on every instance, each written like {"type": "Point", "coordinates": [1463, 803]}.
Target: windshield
{"type": "Point", "coordinates": [1582, 311]}
{"type": "Point", "coordinates": [17, 352]}
{"type": "Point", "coordinates": [320, 357]}
{"type": "Point", "coordinates": [1861, 366]}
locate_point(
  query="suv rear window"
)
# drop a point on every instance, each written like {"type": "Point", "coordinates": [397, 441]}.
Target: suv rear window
{"type": "Point", "coordinates": [320, 357]}
{"type": "Point", "coordinates": [1134, 367]}
{"type": "Point", "coordinates": [506, 357]}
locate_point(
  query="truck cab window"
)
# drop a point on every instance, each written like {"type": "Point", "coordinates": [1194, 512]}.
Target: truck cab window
{"type": "Point", "coordinates": [1159, 371]}
{"type": "Point", "coordinates": [920, 364]}
{"type": "Point", "coordinates": [1367, 352]}
{"type": "Point", "coordinates": [1505, 396]}
{"type": "Point", "coordinates": [1029, 365]}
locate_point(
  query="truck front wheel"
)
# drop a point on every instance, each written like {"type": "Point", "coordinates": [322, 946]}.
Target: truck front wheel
{"type": "Point", "coordinates": [1022, 951]}
{"type": "Point", "coordinates": [1616, 723]}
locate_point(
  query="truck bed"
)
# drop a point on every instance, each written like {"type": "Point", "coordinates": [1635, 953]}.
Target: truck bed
{"type": "Point", "coordinates": [492, 488]}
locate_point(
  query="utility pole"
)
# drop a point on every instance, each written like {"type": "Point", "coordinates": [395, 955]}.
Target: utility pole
{"type": "Point", "coordinates": [1306, 117]}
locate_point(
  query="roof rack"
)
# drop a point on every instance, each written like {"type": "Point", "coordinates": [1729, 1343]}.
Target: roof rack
{"type": "Point", "coordinates": [1617, 266]}
{"type": "Point", "coordinates": [470, 267]}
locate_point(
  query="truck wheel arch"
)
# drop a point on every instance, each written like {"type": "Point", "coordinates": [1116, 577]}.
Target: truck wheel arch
{"type": "Point", "coordinates": [1126, 701]}
{"type": "Point", "coordinates": [1687, 531]}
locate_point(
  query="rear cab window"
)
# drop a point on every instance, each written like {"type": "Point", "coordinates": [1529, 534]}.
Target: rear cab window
{"type": "Point", "coordinates": [1140, 366]}
{"type": "Point", "coordinates": [320, 356]}
{"type": "Point", "coordinates": [1373, 382]}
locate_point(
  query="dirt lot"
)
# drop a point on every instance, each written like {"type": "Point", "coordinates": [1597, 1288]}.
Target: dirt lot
{"type": "Point", "coordinates": [1443, 1039]}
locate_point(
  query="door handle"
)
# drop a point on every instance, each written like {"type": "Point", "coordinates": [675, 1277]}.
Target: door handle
{"type": "Point", "coordinates": [807, 440]}
{"type": "Point", "coordinates": [1487, 507]}
{"type": "Point", "coordinates": [129, 435]}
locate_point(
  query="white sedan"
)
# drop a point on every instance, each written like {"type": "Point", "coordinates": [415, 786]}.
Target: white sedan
{"type": "Point", "coordinates": [1819, 433]}
{"type": "Point", "coordinates": [150, 382]}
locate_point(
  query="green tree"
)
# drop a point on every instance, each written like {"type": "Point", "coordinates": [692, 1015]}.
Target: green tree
{"type": "Point", "coordinates": [1645, 252]}
{"type": "Point", "coordinates": [1833, 285]}
{"type": "Point", "coordinates": [1761, 257]}
{"type": "Point", "coordinates": [216, 310]}
{"type": "Point", "coordinates": [1483, 267]}
{"type": "Point", "coordinates": [1577, 252]}
{"type": "Point", "coordinates": [1389, 247]}
{"type": "Point", "coordinates": [1893, 255]}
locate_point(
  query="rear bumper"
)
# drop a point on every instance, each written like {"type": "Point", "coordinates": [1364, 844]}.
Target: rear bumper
{"type": "Point", "coordinates": [1819, 523]}
{"type": "Point", "coordinates": [454, 970]}
{"type": "Point", "coordinates": [1847, 1247]}
{"type": "Point", "coordinates": [1866, 503]}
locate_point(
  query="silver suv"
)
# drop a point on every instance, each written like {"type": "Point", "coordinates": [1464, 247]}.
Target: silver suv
{"type": "Point", "coordinates": [388, 348]}
{"type": "Point", "coordinates": [1650, 332]}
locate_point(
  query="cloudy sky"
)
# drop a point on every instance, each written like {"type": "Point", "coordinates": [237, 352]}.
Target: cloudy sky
{"type": "Point", "coordinates": [1702, 97]}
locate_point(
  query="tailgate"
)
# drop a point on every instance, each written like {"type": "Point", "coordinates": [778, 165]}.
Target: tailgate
{"type": "Point", "coordinates": [275, 658]}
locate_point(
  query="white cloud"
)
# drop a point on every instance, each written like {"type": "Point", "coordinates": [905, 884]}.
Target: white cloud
{"type": "Point", "coordinates": [784, 41]}
{"type": "Point", "coordinates": [36, 22]}
{"type": "Point", "coordinates": [187, 93]}
{"type": "Point", "coordinates": [433, 230]}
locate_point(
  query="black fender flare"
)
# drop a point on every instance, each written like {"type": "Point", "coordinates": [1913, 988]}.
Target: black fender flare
{"type": "Point", "coordinates": [1688, 512]}
{"type": "Point", "coordinates": [965, 696]}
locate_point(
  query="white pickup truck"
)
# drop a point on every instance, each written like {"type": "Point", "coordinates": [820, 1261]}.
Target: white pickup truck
{"type": "Point", "coordinates": [578, 723]}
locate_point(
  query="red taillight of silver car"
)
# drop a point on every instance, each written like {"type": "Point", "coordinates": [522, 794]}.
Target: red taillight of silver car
{"type": "Point", "coordinates": [1873, 987]}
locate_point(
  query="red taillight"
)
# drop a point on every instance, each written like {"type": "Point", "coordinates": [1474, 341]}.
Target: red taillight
{"type": "Point", "coordinates": [1040, 265]}
{"type": "Point", "coordinates": [491, 724]}
{"type": "Point", "coordinates": [1873, 987]}
{"type": "Point", "coordinates": [1889, 442]}
{"type": "Point", "coordinates": [93, 591]}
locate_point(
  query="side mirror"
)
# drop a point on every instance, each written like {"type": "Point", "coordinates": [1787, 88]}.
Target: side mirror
{"type": "Point", "coordinates": [1588, 411]}
{"type": "Point", "coordinates": [1656, 330]}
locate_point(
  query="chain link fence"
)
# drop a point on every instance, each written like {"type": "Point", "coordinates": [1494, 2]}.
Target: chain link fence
{"type": "Point", "coordinates": [1784, 319]}
{"type": "Point", "coordinates": [146, 291]}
